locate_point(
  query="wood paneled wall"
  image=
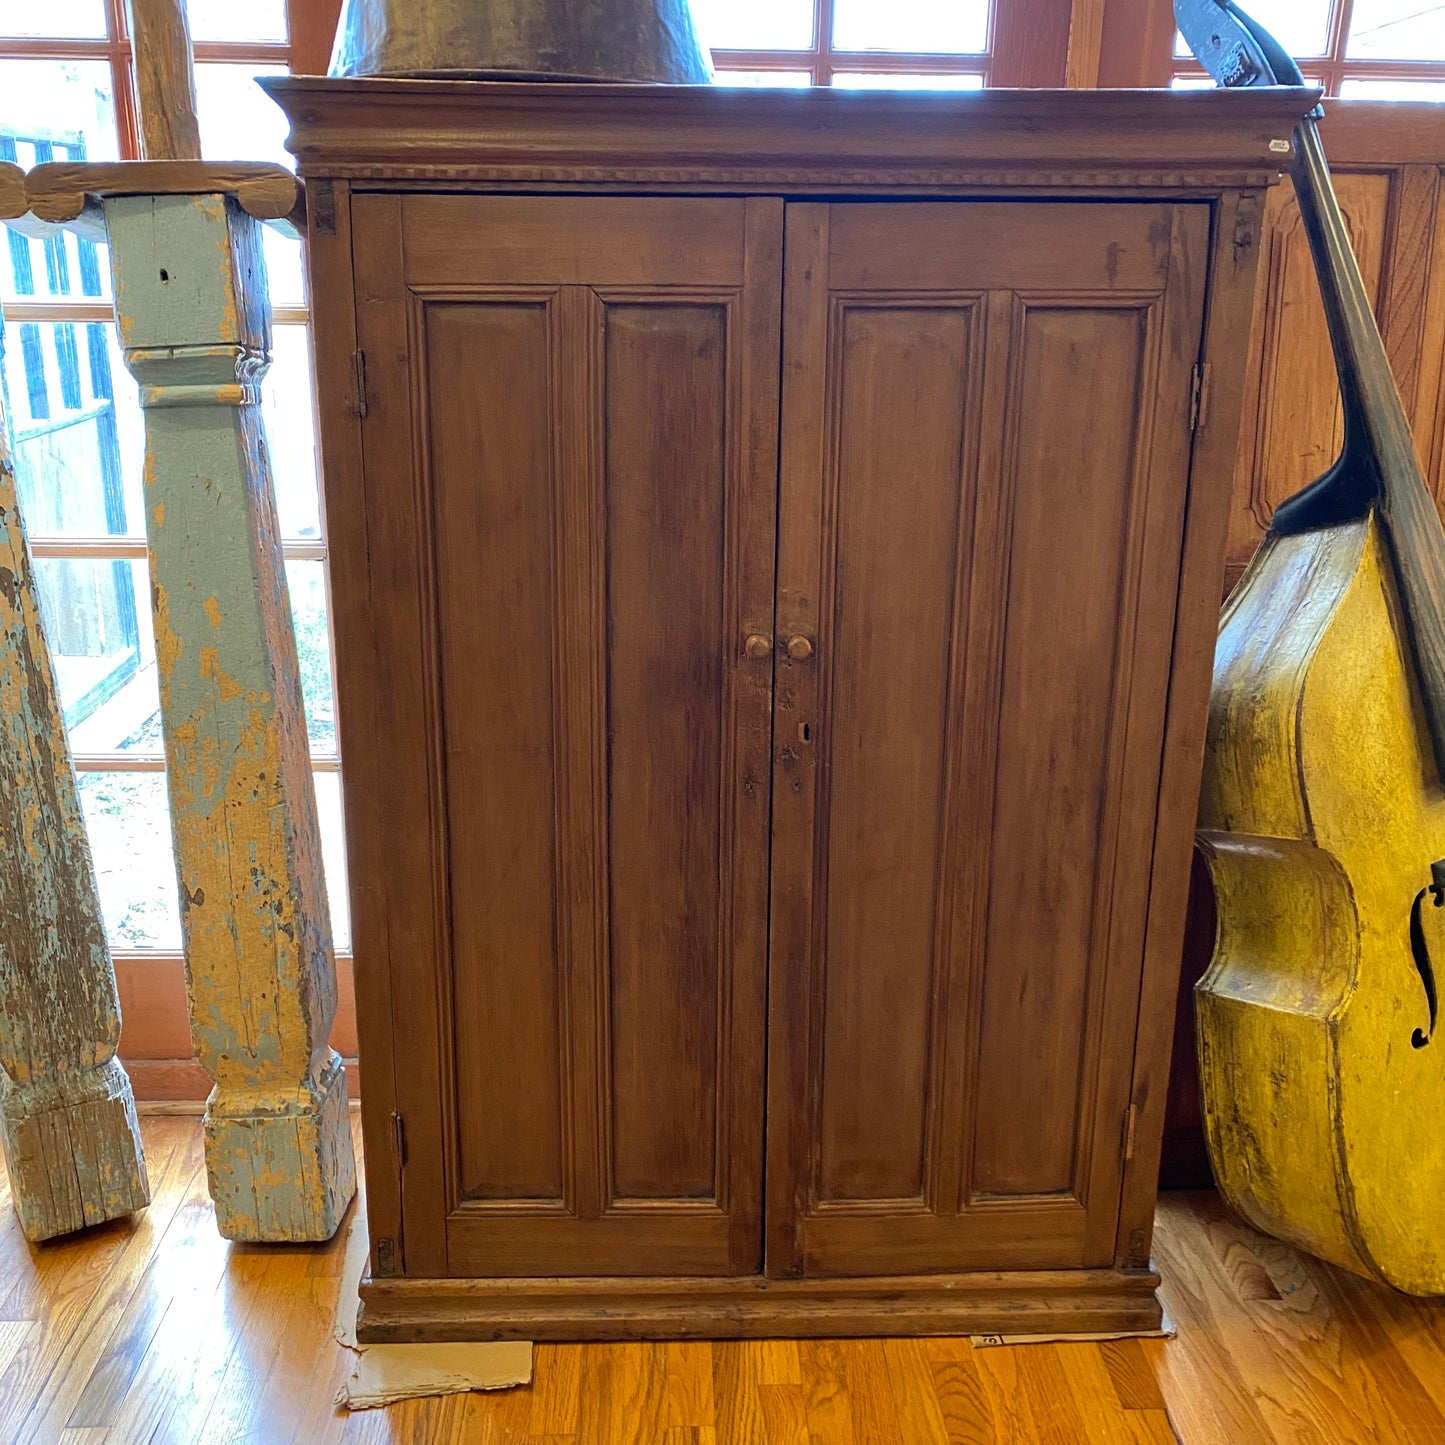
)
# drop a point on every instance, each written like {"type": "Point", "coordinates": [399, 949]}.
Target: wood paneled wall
{"type": "Point", "coordinates": [1387, 159]}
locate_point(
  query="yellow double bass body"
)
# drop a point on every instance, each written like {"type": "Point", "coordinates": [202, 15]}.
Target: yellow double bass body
{"type": "Point", "coordinates": [1320, 816]}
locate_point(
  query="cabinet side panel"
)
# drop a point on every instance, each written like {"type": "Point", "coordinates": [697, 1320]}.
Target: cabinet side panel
{"type": "Point", "coordinates": [666, 420]}
{"type": "Point", "coordinates": [487, 398]}
{"type": "Point", "coordinates": [1077, 404]}
{"type": "Point", "coordinates": [899, 426]}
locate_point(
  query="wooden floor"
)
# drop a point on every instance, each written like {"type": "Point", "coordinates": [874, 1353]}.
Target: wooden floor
{"type": "Point", "coordinates": [157, 1330]}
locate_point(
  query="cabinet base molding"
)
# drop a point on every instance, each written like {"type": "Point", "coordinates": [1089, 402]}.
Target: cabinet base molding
{"type": "Point", "coordinates": [1063, 1301]}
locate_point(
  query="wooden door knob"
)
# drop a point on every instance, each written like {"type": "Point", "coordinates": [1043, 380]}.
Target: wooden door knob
{"type": "Point", "coordinates": [758, 645]}
{"type": "Point", "coordinates": [799, 647]}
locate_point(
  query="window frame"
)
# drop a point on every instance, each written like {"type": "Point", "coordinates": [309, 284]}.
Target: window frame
{"type": "Point", "coordinates": [1027, 45]}
{"type": "Point", "coordinates": [1332, 68]}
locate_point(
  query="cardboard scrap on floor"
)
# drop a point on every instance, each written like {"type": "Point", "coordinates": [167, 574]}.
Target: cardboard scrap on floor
{"type": "Point", "coordinates": [1166, 1331]}
{"type": "Point", "coordinates": [386, 1373]}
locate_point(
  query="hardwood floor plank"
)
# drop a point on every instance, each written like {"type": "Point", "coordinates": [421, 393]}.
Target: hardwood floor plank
{"type": "Point", "coordinates": [870, 1393]}
{"type": "Point", "coordinates": [784, 1410]}
{"type": "Point", "coordinates": [265, 1286]}
{"type": "Point", "coordinates": [76, 1290]}
{"type": "Point", "coordinates": [1415, 1327]}
{"type": "Point", "coordinates": [689, 1402]}
{"type": "Point", "coordinates": [621, 1394]}
{"type": "Point", "coordinates": [779, 1363]}
{"type": "Point", "coordinates": [1104, 1419]}
{"type": "Point", "coordinates": [322, 1419]}
{"type": "Point", "coordinates": [1131, 1375]}
{"type": "Point", "coordinates": [1208, 1400]}
{"type": "Point", "coordinates": [915, 1398]}
{"type": "Point", "coordinates": [830, 1408]}
{"type": "Point", "coordinates": [557, 1378]}
{"type": "Point", "coordinates": [188, 1244]}
{"type": "Point", "coordinates": [738, 1418]}
{"type": "Point", "coordinates": [169, 1395]}
{"type": "Point", "coordinates": [1309, 1384]}
{"type": "Point", "coordinates": [1051, 1404]}
{"type": "Point", "coordinates": [962, 1400]}
{"type": "Point", "coordinates": [1005, 1383]}
{"type": "Point", "coordinates": [13, 1336]}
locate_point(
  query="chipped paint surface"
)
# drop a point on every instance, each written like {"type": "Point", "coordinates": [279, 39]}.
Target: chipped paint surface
{"type": "Point", "coordinates": [67, 1115]}
{"type": "Point", "coordinates": [195, 324]}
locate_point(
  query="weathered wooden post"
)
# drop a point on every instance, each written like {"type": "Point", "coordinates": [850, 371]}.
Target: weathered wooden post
{"type": "Point", "coordinates": [191, 303]}
{"type": "Point", "coordinates": [67, 1117]}
{"type": "Point", "coordinates": [195, 325]}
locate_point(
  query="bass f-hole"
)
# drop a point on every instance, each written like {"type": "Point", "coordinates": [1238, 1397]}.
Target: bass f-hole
{"type": "Point", "coordinates": [1420, 950]}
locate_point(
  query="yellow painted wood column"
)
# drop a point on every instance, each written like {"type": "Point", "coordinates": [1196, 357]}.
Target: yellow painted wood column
{"type": "Point", "coordinates": [195, 325]}
{"type": "Point", "coordinates": [67, 1116]}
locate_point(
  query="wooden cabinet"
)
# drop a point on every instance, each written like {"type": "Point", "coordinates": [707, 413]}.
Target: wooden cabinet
{"type": "Point", "coordinates": [775, 549]}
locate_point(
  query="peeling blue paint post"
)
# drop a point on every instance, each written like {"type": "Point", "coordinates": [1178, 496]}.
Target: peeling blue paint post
{"type": "Point", "coordinates": [67, 1116]}
{"type": "Point", "coordinates": [194, 321]}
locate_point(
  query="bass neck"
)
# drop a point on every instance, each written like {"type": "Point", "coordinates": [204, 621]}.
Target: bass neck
{"type": "Point", "coordinates": [1377, 467]}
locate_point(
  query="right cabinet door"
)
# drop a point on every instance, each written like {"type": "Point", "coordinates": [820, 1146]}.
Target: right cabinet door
{"type": "Point", "coordinates": [985, 459]}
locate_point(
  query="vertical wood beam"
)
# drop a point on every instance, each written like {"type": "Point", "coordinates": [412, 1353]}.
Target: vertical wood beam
{"type": "Point", "coordinates": [1136, 43]}
{"type": "Point", "coordinates": [67, 1116]}
{"type": "Point", "coordinates": [195, 324]}
{"type": "Point", "coordinates": [1404, 298]}
{"type": "Point", "coordinates": [1086, 34]}
{"type": "Point", "coordinates": [164, 80]}
{"type": "Point", "coordinates": [311, 26]}
{"type": "Point", "coordinates": [1031, 43]}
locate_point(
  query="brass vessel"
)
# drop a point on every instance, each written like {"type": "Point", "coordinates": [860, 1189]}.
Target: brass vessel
{"type": "Point", "coordinates": [630, 40]}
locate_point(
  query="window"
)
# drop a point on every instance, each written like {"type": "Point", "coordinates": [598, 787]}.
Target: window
{"type": "Point", "coordinates": [79, 441]}
{"type": "Point", "coordinates": [908, 44]}
{"type": "Point", "coordinates": [1365, 49]}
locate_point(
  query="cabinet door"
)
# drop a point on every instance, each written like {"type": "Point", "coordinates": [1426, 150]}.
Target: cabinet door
{"type": "Point", "coordinates": [986, 427]}
{"type": "Point", "coordinates": [571, 473]}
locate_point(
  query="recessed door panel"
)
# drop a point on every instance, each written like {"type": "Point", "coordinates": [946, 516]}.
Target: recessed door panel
{"type": "Point", "coordinates": [495, 600]}
{"type": "Point", "coordinates": [668, 660]}
{"type": "Point", "coordinates": [906, 381]}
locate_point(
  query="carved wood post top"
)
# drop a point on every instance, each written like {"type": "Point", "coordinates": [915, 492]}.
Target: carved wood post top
{"type": "Point", "coordinates": [12, 191]}
{"type": "Point", "coordinates": [66, 191]}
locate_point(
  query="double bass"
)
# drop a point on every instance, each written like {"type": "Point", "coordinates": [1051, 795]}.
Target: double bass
{"type": "Point", "coordinates": [1322, 814]}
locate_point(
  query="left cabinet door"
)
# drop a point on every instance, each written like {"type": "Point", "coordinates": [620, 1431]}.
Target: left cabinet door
{"type": "Point", "coordinates": [570, 443]}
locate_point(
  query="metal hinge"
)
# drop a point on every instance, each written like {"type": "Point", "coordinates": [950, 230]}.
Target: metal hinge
{"type": "Point", "coordinates": [358, 384]}
{"type": "Point", "coordinates": [398, 1139]}
{"type": "Point", "coordinates": [1130, 1120]}
{"type": "Point", "coordinates": [321, 207]}
{"type": "Point", "coordinates": [385, 1258]}
{"type": "Point", "coordinates": [1199, 396]}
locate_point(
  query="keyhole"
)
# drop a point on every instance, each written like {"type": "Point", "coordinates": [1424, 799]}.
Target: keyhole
{"type": "Point", "coordinates": [805, 733]}
{"type": "Point", "coordinates": [165, 277]}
